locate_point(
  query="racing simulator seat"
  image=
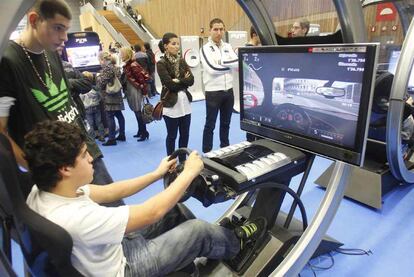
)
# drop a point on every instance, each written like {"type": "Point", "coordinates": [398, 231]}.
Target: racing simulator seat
{"type": "Point", "coordinates": [46, 247]}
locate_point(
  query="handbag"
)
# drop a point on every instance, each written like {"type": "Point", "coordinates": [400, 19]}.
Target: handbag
{"type": "Point", "coordinates": [147, 111]}
{"type": "Point", "coordinates": [113, 88]}
{"type": "Point", "coordinates": [157, 112]}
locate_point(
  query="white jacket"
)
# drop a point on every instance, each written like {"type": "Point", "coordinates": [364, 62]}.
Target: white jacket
{"type": "Point", "coordinates": [217, 64]}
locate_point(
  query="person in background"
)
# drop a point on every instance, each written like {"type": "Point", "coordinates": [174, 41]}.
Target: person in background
{"type": "Point", "coordinates": [141, 57]}
{"type": "Point", "coordinates": [151, 67]}
{"type": "Point", "coordinates": [300, 28]}
{"type": "Point", "coordinates": [113, 102]}
{"type": "Point", "coordinates": [78, 83]}
{"type": "Point", "coordinates": [175, 77]}
{"type": "Point", "coordinates": [32, 75]}
{"type": "Point", "coordinates": [91, 101]}
{"type": "Point", "coordinates": [135, 84]}
{"type": "Point", "coordinates": [254, 38]}
{"type": "Point", "coordinates": [218, 59]}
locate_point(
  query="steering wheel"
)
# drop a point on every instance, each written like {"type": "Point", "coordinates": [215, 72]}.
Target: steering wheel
{"type": "Point", "coordinates": [290, 116]}
{"type": "Point", "coordinates": [169, 177]}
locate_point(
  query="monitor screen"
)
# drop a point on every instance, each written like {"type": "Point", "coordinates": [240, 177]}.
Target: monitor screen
{"type": "Point", "coordinates": [83, 56]}
{"type": "Point", "coordinates": [392, 66]}
{"type": "Point", "coordinates": [316, 98]}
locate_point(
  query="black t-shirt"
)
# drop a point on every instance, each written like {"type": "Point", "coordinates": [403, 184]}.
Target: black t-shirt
{"type": "Point", "coordinates": [35, 103]}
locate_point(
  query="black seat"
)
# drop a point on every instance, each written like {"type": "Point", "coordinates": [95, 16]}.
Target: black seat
{"type": "Point", "coordinates": [46, 247]}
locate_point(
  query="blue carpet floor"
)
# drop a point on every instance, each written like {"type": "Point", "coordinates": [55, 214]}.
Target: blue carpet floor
{"type": "Point", "coordinates": [386, 233]}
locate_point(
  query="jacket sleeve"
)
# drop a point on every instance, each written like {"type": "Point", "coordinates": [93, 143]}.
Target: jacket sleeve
{"type": "Point", "coordinates": [105, 77]}
{"type": "Point", "coordinates": [189, 81]}
{"type": "Point", "coordinates": [211, 65]}
{"type": "Point", "coordinates": [230, 59]}
{"type": "Point", "coordinates": [80, 85]}
{"type": "Point", "coordinates": [166, 79]}
{"type": "Point", "coordinates": [135, 74]}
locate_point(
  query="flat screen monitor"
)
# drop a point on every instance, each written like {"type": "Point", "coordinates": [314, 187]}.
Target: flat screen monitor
{"type": "Point", "coordinates": [314, 97]}
{"type": "Point", "coordinates": [82, 51]}
{"type": "Point", "coordinates": [83, 56]}
{"type": "Point", "coordinates": [392, 67]}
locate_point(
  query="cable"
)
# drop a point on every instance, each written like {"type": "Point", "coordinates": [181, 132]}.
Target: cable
{"type": "Point", "coordinates": [353, 251]}
{"type": "Point", "coordinates": [293, 194]}
{"type": "Point", "coordinates": [323, 267]}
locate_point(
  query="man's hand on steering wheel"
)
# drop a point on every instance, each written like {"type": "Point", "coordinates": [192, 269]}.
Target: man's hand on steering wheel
{"type": "Point", "coordinates": [194, 164]}
{"type": "Point", "coordinates": [165, 166]}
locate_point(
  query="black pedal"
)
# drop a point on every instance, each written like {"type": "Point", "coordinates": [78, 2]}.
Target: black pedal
{"type": "Point", "coordinates": [245, 258]}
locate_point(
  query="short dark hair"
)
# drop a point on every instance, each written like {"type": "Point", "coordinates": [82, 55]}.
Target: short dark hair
{"type": "Point", "coordinates": [216, 21]}
{"type": "Point", "coordinates": [252, 32]}
{"type": "Point", "coordinates": [304, 24]}
{"type": "Point", "coordinates": [166, 38]}
{"type": "Point", "coordinates": [147, 45]}
{"type": "Point", "coordinates": [137, 47]}
{"type": "Point", "coordinates": [47, 9]}
{"type": "Point", "coordinates": [50, 146]}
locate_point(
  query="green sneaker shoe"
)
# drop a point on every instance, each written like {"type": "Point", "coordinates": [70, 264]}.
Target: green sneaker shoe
{"type": "Point", "coordinates": [251, 231]}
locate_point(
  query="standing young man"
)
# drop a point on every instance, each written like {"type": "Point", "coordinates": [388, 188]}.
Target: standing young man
{"type": "Point", "coordinates": [218, 58]}
{"type": "Point", "coordinates": [33, 77]}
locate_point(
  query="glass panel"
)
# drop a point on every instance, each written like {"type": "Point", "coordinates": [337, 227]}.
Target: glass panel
{"type": "Point", "coordinates": [287, 15]}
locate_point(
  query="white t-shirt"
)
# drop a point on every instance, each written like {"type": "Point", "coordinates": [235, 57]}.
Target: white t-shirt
{"type": "Point", "coordinates": [96, 231]}
{"type": "Point", "coordinates": [181, 108]}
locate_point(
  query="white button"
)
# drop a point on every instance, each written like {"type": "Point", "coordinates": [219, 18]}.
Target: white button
{"type": "Point", "coordinates": [281, 155]}
{"type": "Point", "coordinates": [260, 164]}
{"type": "Point", "coordinates": [267, 161]}
{"type": "Point", "coordinates": [273, 158]}
{"type": "Point", "coordinates": [253, 167]}
{"type": "Point", "coordinates": [233, 147]}
{"type": "Point", "coordinates": [218, 152]}
{"type": "Point", "coordinates": [243, 169]}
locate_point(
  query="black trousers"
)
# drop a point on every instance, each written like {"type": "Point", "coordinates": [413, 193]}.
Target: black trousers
{"type": "Point", "coordinates": [173, 125]}
{"type": "Point", "coordinates": [217, 101]}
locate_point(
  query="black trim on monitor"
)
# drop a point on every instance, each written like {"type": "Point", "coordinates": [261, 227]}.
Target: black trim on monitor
{"type": "Point", "coordinates": [354, 153]}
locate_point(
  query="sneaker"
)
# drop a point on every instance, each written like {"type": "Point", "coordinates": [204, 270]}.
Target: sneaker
{"type": "Point", "coordinates": [251, 231]}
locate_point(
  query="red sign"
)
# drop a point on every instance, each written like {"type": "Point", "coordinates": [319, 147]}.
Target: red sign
{"type": "Point", "coordinates": [386, 12]}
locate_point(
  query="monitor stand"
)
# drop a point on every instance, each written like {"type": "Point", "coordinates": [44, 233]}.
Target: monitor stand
{"type": "Point", "coordinates": [269, 254]}
{"type": "Point", "coordinates": [369, 183]}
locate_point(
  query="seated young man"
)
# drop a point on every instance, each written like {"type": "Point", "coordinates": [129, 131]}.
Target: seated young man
{"type": "Point", "coordinates": [62, 169]}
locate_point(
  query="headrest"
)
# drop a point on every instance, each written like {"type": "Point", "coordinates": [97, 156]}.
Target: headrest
{"type": "Point", "coordinates": [382, 90]}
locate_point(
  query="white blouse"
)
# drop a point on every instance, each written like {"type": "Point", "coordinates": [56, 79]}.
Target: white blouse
{"type": "Point", "coordinates": [181, 108]}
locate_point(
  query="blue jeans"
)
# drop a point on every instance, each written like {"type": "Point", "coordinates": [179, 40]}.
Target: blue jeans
{"type": "Point", "coordinates": [173, 125]}
{"type": "Point", "coordinates": [101, 177]}
{"type": "Point", "coordinates": [111, 123]}
{"type": "Point", "coordinates": [216, 101]}
{"type": "Point", "coordinates": [93, 116]}
{"type": "Point", "coordinates": [159, 249]}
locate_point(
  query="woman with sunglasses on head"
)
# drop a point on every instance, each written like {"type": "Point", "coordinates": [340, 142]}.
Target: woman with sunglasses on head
{"type": "Point", "coordinates": [176, 77]}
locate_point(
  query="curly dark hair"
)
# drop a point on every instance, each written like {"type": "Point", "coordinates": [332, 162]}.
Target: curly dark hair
{"type": "Point", "coordinates": [50, 146]}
